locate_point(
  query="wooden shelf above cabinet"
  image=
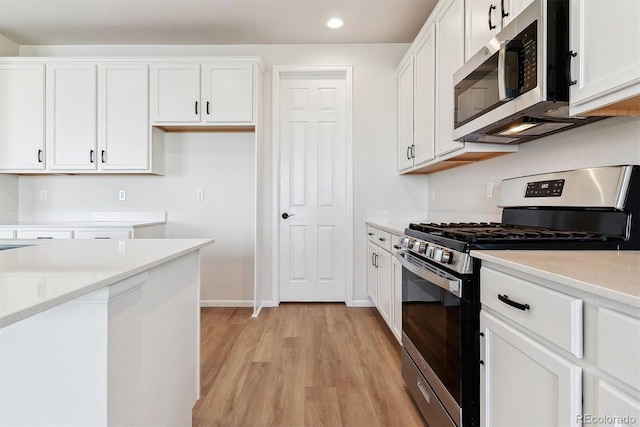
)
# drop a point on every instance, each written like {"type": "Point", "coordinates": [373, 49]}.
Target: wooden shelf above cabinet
{"type": "Point", "coordinates": [470, 153]}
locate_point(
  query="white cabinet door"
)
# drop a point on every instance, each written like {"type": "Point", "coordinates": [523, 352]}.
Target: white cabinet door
{"type": "Point", "coordinates": [484, 20]}
{"type": "Point", "coordinates": [123, 117]}
{"type": "Point", "coordinates": [383, 262]}
{"type": "Point", "coordinates": [44, 234]}
{"type": "Point", "coordinates": [424, 100]}
{"type": "Point", "coordinates": [7, 234]}
{"type": "Point", "coordinates": [228, 93]}
{"type": "Point", "coordinates": [522, 382]}
{"type": "Point", "coordinates": [22, 117]}
{"type": "Point", "coordinates": [175, 93]}
{"type": "Point", "coordinates": [372, 272]}
{"type": "Point", "coordinates": [405, 116]}
{"type": "Point", "coordinates": [71, 117]}
{"type": "Point", "coordinates": [616, 405]}
{"type": "Point", "coordinates": [606, 39]}
{"type": "Point", "coordinates": [449, 57]}
{"type": "Point", "coordinates": [396, 312]}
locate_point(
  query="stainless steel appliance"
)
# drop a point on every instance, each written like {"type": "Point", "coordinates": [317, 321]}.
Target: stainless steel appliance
{"type": "Point", "coordinates": [596, 208]}
{"type": "Point", "coordinates": [516, 88]}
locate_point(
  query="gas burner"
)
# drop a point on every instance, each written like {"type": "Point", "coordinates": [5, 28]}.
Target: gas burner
{"type": "Point", "coordinates": [494, 232]}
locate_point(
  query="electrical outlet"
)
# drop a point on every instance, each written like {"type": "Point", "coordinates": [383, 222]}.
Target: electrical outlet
{"type": "Point", "coordinates": [489, 189]}
{"type": "Point", "coordinates": [122, 195]}
{"type": "Point", "coordinates": [433, 194]}
{"type": "Point", "coordinates": [43, 195]}
{"type": "Point", "coordinates": [200, 195]}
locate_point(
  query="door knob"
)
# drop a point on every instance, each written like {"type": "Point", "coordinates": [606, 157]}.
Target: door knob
{"type": "Point", "coordinates": [286, 215]}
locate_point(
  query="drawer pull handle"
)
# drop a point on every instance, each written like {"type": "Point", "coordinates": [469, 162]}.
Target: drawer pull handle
{"type": "Point", "coordinates": [382, 239]}
{"type": "Point", "coordinates": [426, 395]}
{"type": "Point", "coordinates": [43, 237]}
{"type": "Point", "coordinates": [397, 247]}
{"type": "Point", "coordinates": [370, 234]}
{"type": "Point", "coordinates": [505, 299]}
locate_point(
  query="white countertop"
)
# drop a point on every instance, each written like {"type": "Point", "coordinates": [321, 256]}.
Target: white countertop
{"type": "Point", "coordinates": [390, 226]}
{"type": "Point", "coordinates": [611, 274]}
{"type": "Point", "coordinates": [35, 278]}
{"type": "Point", "coordinates": [79, 224]}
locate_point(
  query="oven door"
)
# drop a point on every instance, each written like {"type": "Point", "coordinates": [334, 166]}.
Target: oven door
{"type": "Point", "coordinates": [440, 324]}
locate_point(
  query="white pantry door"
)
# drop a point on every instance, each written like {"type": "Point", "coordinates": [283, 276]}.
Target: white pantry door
{"type": "Point", "coordinates": [313, 189]}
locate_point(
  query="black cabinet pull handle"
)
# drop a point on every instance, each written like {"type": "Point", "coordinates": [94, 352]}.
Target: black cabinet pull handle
{"type": "Point", "coordinates": [504, 14]}
{"type": "Point", "coordinates": [43, 237]}
{"type": "Point", "coordinates": [373, 257]}
{"type": "Point", "coordinates": [207, 107]}
{"type": "Point", "coordinates": [376, 263]}
{"type": "Point", "coordinates": [39, 156]}
{"type": "Point", "coordinates": [491, 26]}
{"type": "Point", "coordinates": [397, 247]}
{"type": "Point", "coordinates": [413, 151]}
{"type": "Point", "coordinates": [505, 299]}
{"type": "Point", "coordinates": [370, 234]}
{"type": "Point", "coordinates": [196, 107]}
{"type": "Point", "coordinates": [382, 239]}
{"type": "Point", "coordinates": [91, 156]}
{"type": "Point", "coordinates": [409, 152]}
{"type": "Point", "coordinates": [572, 54]}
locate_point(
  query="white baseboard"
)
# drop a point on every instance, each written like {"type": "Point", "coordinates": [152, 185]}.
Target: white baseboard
{"type": "Point", "coordinates": [363, 303]}
{"type": "Point", "coordinates": [268, 303]}
{"type": "Point", "coordinates": [226, 303]}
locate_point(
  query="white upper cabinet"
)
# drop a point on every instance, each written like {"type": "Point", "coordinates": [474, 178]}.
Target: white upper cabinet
{"type": "Point", "coordinates": [71, 117]}
{"type": "Point", "coordinates": [123, 117]}
{"type": "Point", "coordinates": [450, 57]}
{"type": "Point", "coordinates": [22, 129]}
{"type": "Point", "coordinates": [405, 115]}
{"type": "Point", "coordinates": [486, 17]}
{"type": "Point", "coordinates": [228, 93]}
{"type": "Point", "coordinates": [605, 39]}
{"type": "Point", "coordinates": [424, 102]}
{"type": "Point", "coordinates": [216, 93]}
{"type": "Point", "coordinates": [175, 93]}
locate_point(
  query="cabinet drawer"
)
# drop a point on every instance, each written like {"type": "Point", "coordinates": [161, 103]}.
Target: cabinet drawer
{"type": "Point", "coordinates": [7, 234]}
{"type": "Point", "coordinates": [372, 234]}
{"type": "Point", "coordinates": [384, 240]}
{"type": "Point", "coordinates": [103, 234]}
{"type": "Point", "coordinates": [619, 346]}
{"type": "Point", "coordinates": [556, 317]}
{"type": "Point", "coordinates": [395, 244]}
{"type": "Point", "coordinates": [45, 234]}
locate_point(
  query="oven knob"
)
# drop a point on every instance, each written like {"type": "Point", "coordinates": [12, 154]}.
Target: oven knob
{"type": "Point", "coordinates": [429, 252]}
{"type": "Point", "coordinates": [422, 248]}
{"type": "Point", "coordinates": [447, 257]}
{"type": "Point", "coordinates": [407, 242]}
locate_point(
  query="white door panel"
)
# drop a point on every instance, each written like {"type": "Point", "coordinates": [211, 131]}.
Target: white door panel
{"type": "Point", "coordinates": [313, 190]}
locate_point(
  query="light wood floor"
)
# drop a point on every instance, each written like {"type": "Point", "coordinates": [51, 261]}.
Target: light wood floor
{"type": "Point", "coordinates": [301, 365]}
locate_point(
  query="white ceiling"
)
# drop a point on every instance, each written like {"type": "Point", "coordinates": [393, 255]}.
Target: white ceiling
{"type": "Point", "coordinates": [82, 22]}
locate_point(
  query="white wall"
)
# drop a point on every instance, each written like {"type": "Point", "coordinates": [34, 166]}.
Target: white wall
{"type": "Point", "coordinates": [8, 47]}
{"type": "Point", "coordinates": [8, 183]}
{"type": "Point", "coordinates": [377, 187]}
{"type": "Point", "coordinates": [461, 192]}
{"type": "Point", "coordinates": [222, 164]}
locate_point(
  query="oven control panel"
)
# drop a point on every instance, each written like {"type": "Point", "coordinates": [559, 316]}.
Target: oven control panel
{"type": "Point", "coordinates": [455, 260]}
{"type": "Point", "coordinates": [545, 188]}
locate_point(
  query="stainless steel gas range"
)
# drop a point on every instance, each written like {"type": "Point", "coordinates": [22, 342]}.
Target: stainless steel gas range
{"type": "Point", "coordinates": [595, 208]}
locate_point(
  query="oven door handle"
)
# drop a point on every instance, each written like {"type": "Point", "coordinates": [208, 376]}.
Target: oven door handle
{"type": "Point", "coordinates": [449, 285]}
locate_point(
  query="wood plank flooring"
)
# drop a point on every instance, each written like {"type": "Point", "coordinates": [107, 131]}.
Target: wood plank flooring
{"type": "Point", "coordinates": [301, 365]}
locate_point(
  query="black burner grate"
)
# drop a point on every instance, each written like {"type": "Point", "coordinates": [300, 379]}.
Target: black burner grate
{"type": "Point", "coordinates": [493, 232]}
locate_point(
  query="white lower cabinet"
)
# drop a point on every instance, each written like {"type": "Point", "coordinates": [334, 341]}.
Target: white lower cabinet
{"type": "Point", "coordinates": [7, 234]}
{"type": "Point", "coordinates": [553, 355]}
{"type": "Point", "coordinates": [522, 382]}
{"type": "Point", "coordinates": [384, 278]}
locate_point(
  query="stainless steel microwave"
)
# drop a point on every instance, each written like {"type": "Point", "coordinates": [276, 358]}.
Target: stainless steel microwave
{"type": "Point", "coordinates": [516, 88]}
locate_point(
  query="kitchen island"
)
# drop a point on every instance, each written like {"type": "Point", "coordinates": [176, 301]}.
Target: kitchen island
{"type": "Point", "coordinates": [100, 332]}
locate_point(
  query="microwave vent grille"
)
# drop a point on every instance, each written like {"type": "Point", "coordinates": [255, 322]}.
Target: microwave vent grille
{"type": "Point", "coordinates": [558, 112]}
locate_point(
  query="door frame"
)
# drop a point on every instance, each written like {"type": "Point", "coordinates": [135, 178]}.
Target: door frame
{"type": "Point", "coordinates": [340, 72]}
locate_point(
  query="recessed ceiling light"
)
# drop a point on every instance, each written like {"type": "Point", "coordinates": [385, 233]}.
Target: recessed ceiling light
{"type": "Point", "coordinates": [335, 23]}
